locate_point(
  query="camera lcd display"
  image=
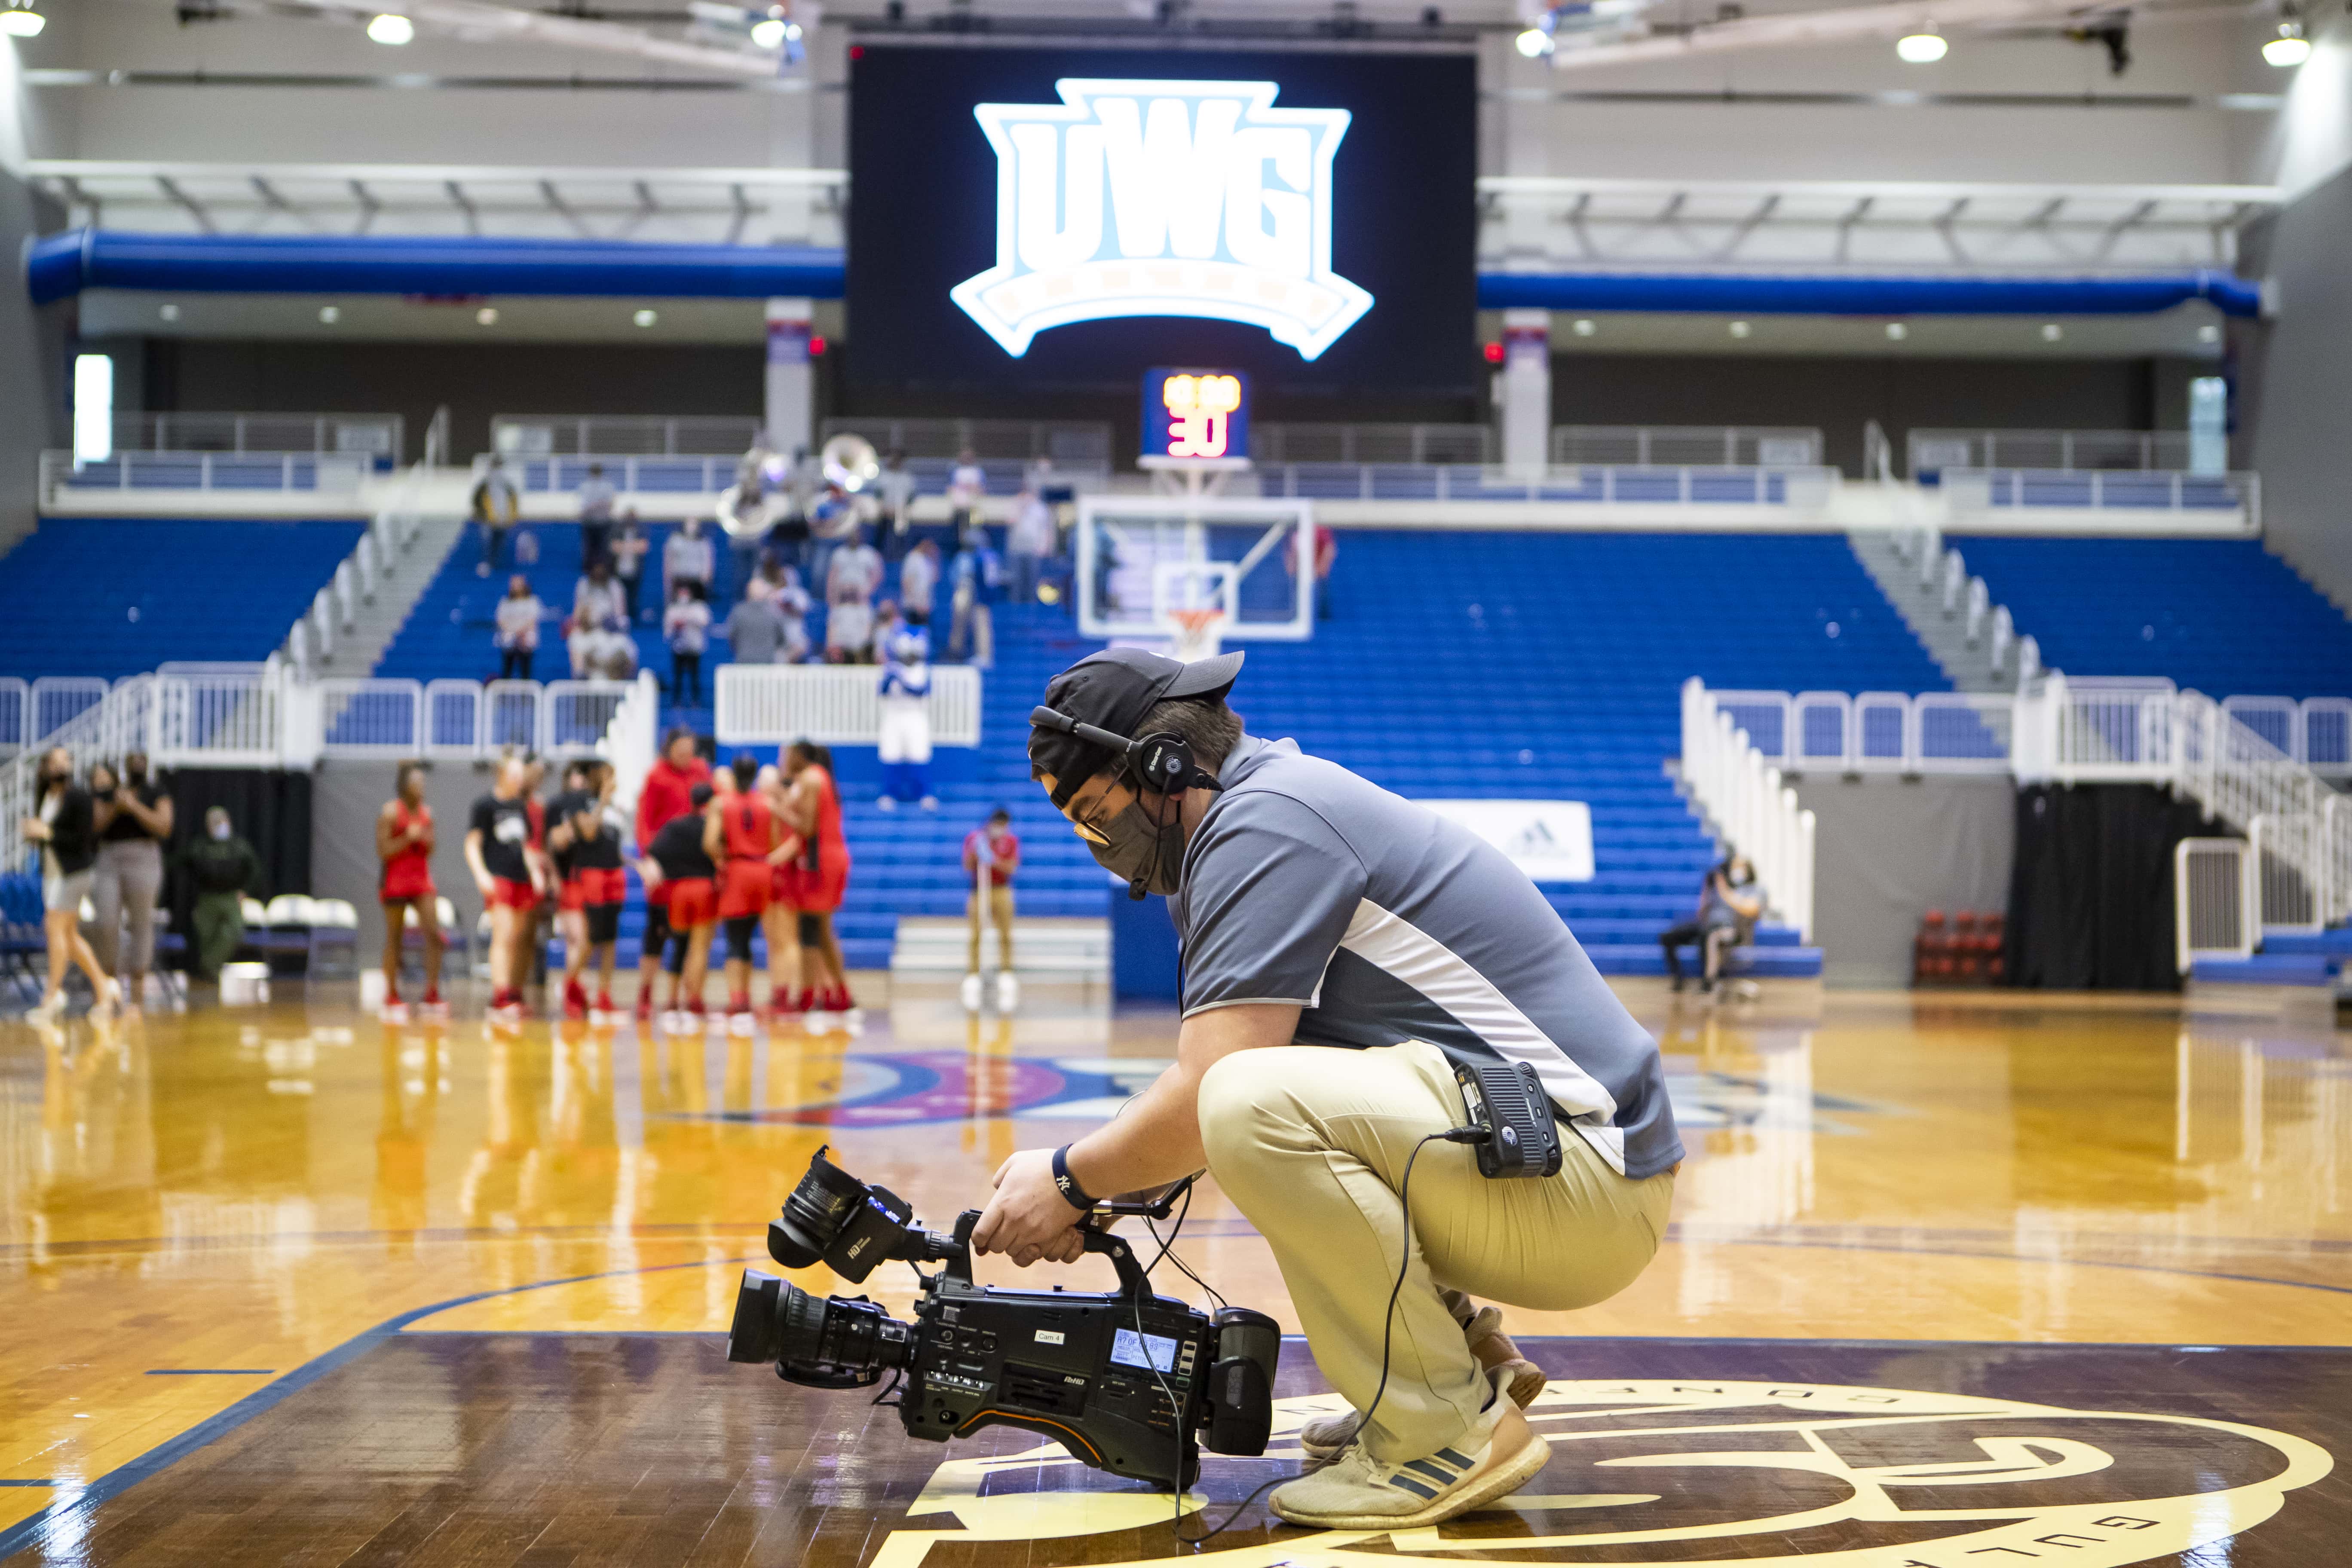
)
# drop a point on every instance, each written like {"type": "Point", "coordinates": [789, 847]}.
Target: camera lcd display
{"type": "Point", "coordinates": [1128, 1347]}
{"type": "Point", "coordinates": [1055, 219]}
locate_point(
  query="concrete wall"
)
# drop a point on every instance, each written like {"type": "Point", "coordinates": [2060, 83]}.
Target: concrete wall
{"type": "Point", "coordinates": [345, 797]}
{"type": "Point", "coordinates": [1887, 850]}
{"type": "Point", "coordinates": [2294, 379]}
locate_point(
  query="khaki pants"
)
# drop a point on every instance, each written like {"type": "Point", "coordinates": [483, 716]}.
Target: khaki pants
{"type": "Point", "coordinates": [1000, 910]}
{"type": "Point", "coordinates": [1310, 1142]}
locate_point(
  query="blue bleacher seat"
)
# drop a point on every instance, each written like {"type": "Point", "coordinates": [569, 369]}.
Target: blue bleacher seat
{"type": "Point", "coordinates": [2222, 615]}
{"type": "Point", "coordinates": [116, 596]}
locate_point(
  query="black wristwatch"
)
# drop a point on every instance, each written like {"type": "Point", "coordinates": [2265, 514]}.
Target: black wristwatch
{"type": "Point", "coordinates": [1072, 1193]}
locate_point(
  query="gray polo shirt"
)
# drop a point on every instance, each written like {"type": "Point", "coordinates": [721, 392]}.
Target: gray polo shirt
{"type": "Point", "coordinates": [1386, 923]}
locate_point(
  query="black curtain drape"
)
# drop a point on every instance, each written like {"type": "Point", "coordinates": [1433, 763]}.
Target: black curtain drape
{"type": "Point", "coordinates": [2090, 893]}
{"type": "Point", "coordinates": [270, 808]}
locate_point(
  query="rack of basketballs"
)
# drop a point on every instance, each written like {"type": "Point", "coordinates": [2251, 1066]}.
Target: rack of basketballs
{"type": "Point", "coordinates": [1965, 951]}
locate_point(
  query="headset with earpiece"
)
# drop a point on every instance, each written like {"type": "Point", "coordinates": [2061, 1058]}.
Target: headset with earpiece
{"type": "Point", "coordinates": [1162, 764]}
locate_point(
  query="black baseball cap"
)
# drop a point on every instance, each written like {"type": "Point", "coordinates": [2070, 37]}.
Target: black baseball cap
{"type": "Point", "coordinates": [1113, 690]}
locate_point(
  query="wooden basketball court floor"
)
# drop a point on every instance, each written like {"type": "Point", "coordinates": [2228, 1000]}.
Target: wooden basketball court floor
{"type": "Point", "coordinates": [1950, 1281]}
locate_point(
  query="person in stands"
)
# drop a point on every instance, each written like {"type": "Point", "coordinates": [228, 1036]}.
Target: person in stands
{"type": "Point", "coordinates": [918, 580]}
{"type": "Point", "coordinates": [992, 854]}
{"type": "Point", "coordinates": [665, 795]}
{"type": "Point", "coordinates": [894, 487]}
{"type": "Point", "coordinates": [681, 910]}
{"type": "Point", "coordinates": [967, 486]}
{"type": "Point", "coordinates": [403, 843]}
{"type": "Point", "coordinates": [596, 497]}
{"type": "Point", "coordinates": [1728, 902]}
{"type": "Point", "coordinates": [686, 626]}
{"type": "Point", "coordinates": [584, 840]}
{"type": "Point", "coordinates": [65, 824]}
{"type": "Point", "coordinates": [596, 603]}
{"type": "Point", "coordinates": [505, 861]}
{"type": "Point", "coordinates": [688, 557]}
{"type": "Point", "coordinates": [129, 876]}
{"type": "Point", "coordinates": [629, 549]}
{"type": "Point", "coordinates": [975, 583]}
{"type": "Point", "coordinates": [755, 629]}
{"type": "Point", "coordinates": [494, 504]}
{"type": "Point", "coordinates": [1028, 542]}
{"type": "Point", "coordinates": [850, 584]}
{"type": "Point", "coordinates": [226, 871]}
{"type": "Point", "coordinates": [518, 629]}
{"type": "Point", "coordinates": [816, 876]}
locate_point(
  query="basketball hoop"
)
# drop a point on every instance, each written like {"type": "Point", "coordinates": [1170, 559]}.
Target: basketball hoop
{"type": "Point", "coordinates": [1198, 632]}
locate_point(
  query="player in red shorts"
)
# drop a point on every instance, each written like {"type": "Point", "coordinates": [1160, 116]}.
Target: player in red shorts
{"type": "Point", "coordinates": [403, 842]}
{"type": "Point", "coordinates": [742, 837]}
{"type": "Point", "coordinates": [681, 882]}
{"type": "Point", "coordinates": [586, 837]}
{"type": "Point", "coordinates": [505, 864]}
{"type": "Point", "coordinates": [817, 875]}
{"type": "Point", "coordinates": [663, 797]}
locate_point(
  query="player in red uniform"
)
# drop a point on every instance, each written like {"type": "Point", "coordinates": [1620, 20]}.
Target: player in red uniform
{"type": "Point", "coordinates": [742, 837]}
{"type": "Point", "coordinates": [666, 796]}
{"type": "Point", "coordinates": [586, 841]}
{"type": "Point", "coordinates": [504, 859]}
{"type": "Point", "coordinates": [403, 842]}
{"type": "Point", "coordinates": [682, 883]}
{"type": "Point", "coordinates": [816, 875]}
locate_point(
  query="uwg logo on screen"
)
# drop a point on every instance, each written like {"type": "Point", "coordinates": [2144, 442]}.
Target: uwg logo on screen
{"type": "Point", "coordinates": [1163, 198]}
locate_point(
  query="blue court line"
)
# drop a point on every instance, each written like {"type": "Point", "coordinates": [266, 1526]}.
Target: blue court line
{"type": "Point", "coordinates": [27, 1483]}
{"type": "Point", "coordinates": [211, 1371]}
{"type": "Point", "coordinates": [22, 1536]}
{"type": "Point", "coordinates": [261, 1401]}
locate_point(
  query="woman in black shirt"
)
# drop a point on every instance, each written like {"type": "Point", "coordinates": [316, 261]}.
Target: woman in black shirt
{"type": "Point", "coordinates": [65, 827]}
{"type": "Point", "coordinates": [136, 819]}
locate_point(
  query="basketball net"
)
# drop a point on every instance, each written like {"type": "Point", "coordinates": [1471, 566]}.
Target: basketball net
{"type": "Point", "coordinates": [1198, 632]}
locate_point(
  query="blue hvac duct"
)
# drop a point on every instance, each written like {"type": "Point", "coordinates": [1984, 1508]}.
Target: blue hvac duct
{"type": "Point", "coordinates": [1764, 294]}
{"type": "Point", "coordinates": [64, 264]}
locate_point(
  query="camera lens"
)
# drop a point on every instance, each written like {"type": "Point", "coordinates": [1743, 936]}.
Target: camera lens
{"type": "Point", "coordinates": [752, 1338]}
{"type": "Point", "coordinates": [814, 1214]}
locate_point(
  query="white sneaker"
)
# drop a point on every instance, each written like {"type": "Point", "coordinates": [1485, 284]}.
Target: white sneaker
{"type": "Point", "coordinates": [1008, 992]}
{"type": "Point", "coordinates": [51, 1010]}
{"type": "Point", "coordinates": [972, 993]}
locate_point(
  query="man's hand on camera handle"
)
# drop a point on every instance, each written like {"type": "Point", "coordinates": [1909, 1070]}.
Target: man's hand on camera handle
{"type": "Point", "coordinates": [1154, 1140]}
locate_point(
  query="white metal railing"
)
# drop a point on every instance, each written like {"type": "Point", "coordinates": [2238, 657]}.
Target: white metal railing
{"type": "Point", "coordinates": [2323, 735]}
{"type": "Point", "coordinates": [1806, 488]}
{"type": "Point", "coordinates": [633, 740]}
{"type": "Point", "coordinates": [1084, 442]}
{"type": "Point", "coordinates": [2237, 495]}
{"type": "Point", "coordinates": [370, 718]}
{"type": "Point", "coordinates": [1692, 445]}
{"type": "Point", "coordinates": [1750, 805]}
{"type": "Point", "coordinates": [1931, 451]}
{"type": "Point", "coordinates": [2284, 852]}
{"type": "Point", "coordinates": [574, 714]}
{"type": "Point", "coordinates": [1275, 443]}
{"type": "Point", "coordinates": [1943, 575]}
{"type": "Point", "coordinates": [772, 704]}
{"type": "Point", "coordinates": [377, 557]}
{"type": "Point", "coordinates": [15, 713]}
{"type": "Point", "coordinates": [1875, 731]}
{"type": "Point", "coordinates": [58, 701]}
{"type": "Point", "coordinates": [375, 437]}
{"type": "Point", "coordinates": [246, 473]}
{"type": "Point", "coordinates": [622, 435]}
{"type": "Point", "coordinates": [2213, 900]}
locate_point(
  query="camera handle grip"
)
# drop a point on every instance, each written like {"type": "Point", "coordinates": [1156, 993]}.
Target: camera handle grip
{"type": "Point", "coordinates": [1132, 1281]}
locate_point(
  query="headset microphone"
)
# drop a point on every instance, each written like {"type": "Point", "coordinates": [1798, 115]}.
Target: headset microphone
{"type": "Point", "coordinates": [1161, 764]}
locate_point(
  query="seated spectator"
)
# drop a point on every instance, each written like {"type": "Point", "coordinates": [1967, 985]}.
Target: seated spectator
{"type": "Point", "coordinates": [1728, 902]}
{"type": "Point", "coordinates": [613, 651]}
{"type": "Point", "coordinates": [596, 601]}
{"type": "Point", "coordinates": [755, 629]}
{"type": "Point", "coordinates": [688, 557]}
{"type": "Point", "coordinates": [225, 873]}
{"type": "Point", "coordinates": [850, 585]}
{"type": "Point", "coordinates": [686, 627]}
{"type": "Point", "coordinates": [517, 638]}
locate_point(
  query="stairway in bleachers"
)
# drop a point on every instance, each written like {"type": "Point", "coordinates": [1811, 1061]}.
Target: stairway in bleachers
{"type": "Point", "coordinates": [116, 596]}
{"type": "Point", "coordinates": [2221, 615]}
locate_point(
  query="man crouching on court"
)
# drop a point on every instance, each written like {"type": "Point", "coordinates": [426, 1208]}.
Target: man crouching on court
{"type": "Point", "coordinates": [1316, 912]}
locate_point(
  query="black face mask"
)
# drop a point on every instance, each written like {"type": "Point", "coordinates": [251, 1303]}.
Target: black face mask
{"type": "Point", "coordinates": [1141, 850]}
{"type": "Point", "coordinates": [134, 776]}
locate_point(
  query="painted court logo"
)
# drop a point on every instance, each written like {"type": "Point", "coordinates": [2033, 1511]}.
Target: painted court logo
{"type": "Point", "coordinates": [1703, 1474]}
{"type": "Point", "coordinates": [1163, 198]}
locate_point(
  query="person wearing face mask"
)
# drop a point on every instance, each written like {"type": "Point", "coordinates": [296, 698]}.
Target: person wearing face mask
{"type": "Point", "coordinates": [225, 873]}
{"type": "Point", "coordinates": [1728, 902]}
{"type": "Point", "coordinates": [129, 876]}
{"type": "Point", "coordinates": [1320, 914]}
{"type": "Point", "coordinates": [65, 824]}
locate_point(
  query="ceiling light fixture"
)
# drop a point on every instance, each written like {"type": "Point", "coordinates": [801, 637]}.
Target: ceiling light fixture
{"type": "Point", "coordinates": [330, 314]}
{"type": "Point", "coordinates": [1740, 328]}
{"type": "Point", "coordinates": [487, 316]}
{"type": "Point", "coordinates": [2290, 47]}
{"type": "Point", "coordinates": [645, 318]}
{"type": "Point", "coordinates": [1923, 47]}
{"type": "Point", "coordinates": [2052, 332]}
{"type": "Point", "coordinates": [391, 28]}
{"type": "Point", "coordinates": [21, 21]}
{"type": "Point", "coordinates": [1586, 327]}
{"type": "Point", "coordinates": [1897, 330]}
